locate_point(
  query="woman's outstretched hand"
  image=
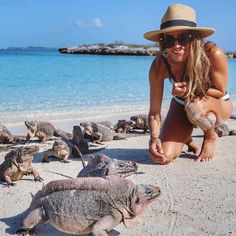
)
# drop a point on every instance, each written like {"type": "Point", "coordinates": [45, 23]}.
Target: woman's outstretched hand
{"type": "Point", "coordinates": [156, 152]}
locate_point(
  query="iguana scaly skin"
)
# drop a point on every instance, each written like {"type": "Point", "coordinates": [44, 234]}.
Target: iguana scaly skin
{"type": "Point", "coordinates": [84, 205]}
{"type": "Point", "coordinates": [19, 163]}
{"type": "Point", "coordinates": [223, 130]}
{"type": "Point", "coordinates": [124, 126]}
{"type": "Point", "coordinates": [140, 122]}
{"type": "Point", "coordinates": [62, 149]}
{"type": "Point", "coordinates": [7, 137]}
{"type": "Point", "coordinates": [99, 132]}
{"type": "Point", "coordinates": [102, 165]}
{"type": "Point", "coordinates": [43, 130]}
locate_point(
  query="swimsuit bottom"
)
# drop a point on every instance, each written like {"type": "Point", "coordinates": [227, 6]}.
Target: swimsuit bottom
{"type": "Point", "coordinates": [181, 101]}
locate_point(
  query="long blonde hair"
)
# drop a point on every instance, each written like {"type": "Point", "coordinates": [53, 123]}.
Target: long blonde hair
{"type": "Point", "coordinates": [197, 73]}
{"type": "Point", "coordinates": [197, 68]}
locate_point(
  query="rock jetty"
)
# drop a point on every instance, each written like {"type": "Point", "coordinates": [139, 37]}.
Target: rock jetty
{"type": "Point", "coordinates": [120, 49]}
{"type": "Point", "coordinates": [112, 49]}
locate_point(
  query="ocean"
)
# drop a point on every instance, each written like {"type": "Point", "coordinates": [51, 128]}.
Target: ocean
{"type": "Point", "coordinates": [48, 85]}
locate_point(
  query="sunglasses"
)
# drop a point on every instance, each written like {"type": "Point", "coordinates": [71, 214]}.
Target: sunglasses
{"type": "Point", "coordinates": [182, 39]}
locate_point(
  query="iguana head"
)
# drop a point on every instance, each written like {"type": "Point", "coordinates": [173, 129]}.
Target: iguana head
{"type": "Point", "coordinates": [142, 196]}
{"type": "Point", "coordinates": [59, 143]}
{"type": "Point", "coordinates": [31, 125]}
{"type": "Point", "coordinates": [25, 153]}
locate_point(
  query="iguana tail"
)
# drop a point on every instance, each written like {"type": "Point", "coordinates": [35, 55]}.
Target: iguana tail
{"type": "Point", "coordinates": [62, 133]}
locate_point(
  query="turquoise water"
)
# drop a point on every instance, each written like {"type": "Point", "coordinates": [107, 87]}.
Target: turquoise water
{"type": "Point", "coordinates": [48, 83]}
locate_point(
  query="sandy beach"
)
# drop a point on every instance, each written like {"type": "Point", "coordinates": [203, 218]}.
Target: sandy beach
{"type": "Point", "coordinates": [196, 198]}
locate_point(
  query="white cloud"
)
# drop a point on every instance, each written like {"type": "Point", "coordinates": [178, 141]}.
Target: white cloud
{"type": "Point", "coordinates": [97, 22]}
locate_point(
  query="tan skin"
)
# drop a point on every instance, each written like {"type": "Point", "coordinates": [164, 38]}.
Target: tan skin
{"type": "Point", "coordinates": [177, 128]}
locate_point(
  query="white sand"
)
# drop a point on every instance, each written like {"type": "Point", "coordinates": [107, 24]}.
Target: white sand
{"type": "Point", "coordinates": [197, 198]}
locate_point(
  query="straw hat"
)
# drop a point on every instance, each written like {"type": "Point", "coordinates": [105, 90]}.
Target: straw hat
{"type": "Point", "coordinates": [178, 17]}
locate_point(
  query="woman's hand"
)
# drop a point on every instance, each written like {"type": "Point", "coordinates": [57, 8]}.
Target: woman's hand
{"type": "Point", "coordinates": [156, 152]}
{"type": "Point", "coordinates": [179, 89]}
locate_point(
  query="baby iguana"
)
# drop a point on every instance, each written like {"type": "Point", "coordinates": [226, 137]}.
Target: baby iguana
{"type": "Point", "coordinates": [98, 132]}
{"type": "Point", "coordinates": [43, 130]}
{"type": "Point", "coordinates": [102, 165]}
{"type": "Point", "coordinates": [62, 149]}
{"type": "Point", "coordinates": [84, 205]}
{"type": "Point", "coordinates": [7, 137]}
{"type": "Point", "coordinates": [223, 130]}
{"type": "Point", "coordinates": [19, 163]}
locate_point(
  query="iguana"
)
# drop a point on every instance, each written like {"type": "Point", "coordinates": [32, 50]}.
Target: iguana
{"type": "Point", "coordinates": [98, 132]}
{"type": "Point", "coordinates": [223, 130]}
{"type": "Point", "coordinates": [84, 205]}
{"type": "Point", "coordinates": [124, 126]}
{"type": "Point", "coordinates": [140, 122]}
{"type": "Point", "coordinates": [7, 137]}
{"type": "Point", "coordinates": [43, 130]}
{"type": "Point", "coordinates": [102, 165]}
{"type": "Point", "coordinates": [19, 163]}
{"type": "Point", "coordinates": [62, 149]}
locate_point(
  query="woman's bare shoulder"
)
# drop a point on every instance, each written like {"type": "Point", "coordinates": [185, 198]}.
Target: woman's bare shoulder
{"type": "Point", "coordinates": [158, 69]}
{"type": "Point", "coordinates": [214, 51]}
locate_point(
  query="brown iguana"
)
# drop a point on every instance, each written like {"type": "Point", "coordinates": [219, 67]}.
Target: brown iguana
{"type": "Point", "coordinates": [223, 130]}
{"type": "Point", "coordinates": [102, 165]}
{"type": "Point", "coordinates": [94, 131]}
{"type": "Point", "coordinates": [19, 163]}
{"type": "Point", "coordinates": [140, 122]}
{"type": "Point", "coordinates": [84, 205]}
{"type": "Point", "coordinates": [62, 149]}
{"type": "Point", "coordinates": [7, 137]}
{"type": "Point", "coordinates": [84, 145]}
{"type": "Point", "coordinates": [43, 130]}
{"type": "Point", "coordinates": [124, 126]}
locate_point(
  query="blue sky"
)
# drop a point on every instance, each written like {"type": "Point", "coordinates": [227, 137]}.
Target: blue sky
{"type": "Point", "coordinates": [64, 23]}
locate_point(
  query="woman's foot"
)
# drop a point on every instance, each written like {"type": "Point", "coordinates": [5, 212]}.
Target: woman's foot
{"type": "Point", "coordinates": [208, 146]}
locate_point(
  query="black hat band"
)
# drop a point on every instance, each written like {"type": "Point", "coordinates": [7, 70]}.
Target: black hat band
{"type": "Point", "coordinates": [171, 23]}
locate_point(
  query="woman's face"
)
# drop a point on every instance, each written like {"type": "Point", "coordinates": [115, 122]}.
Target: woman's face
{"type": "Point", "coordinates": [177, 45]}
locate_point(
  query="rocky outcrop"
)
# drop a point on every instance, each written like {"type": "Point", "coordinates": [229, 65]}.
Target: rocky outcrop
{"type": "Point", "coordinates": [230, 54]}
{"type": "Point", "coordinates": [120, 49]}
{"type": "Point", "coordinates": [112, 49]}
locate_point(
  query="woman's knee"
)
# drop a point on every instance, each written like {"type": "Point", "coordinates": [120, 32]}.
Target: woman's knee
{"type": "Point", "coordinates": [172, 151]}
{"type": "Point", "coordinates": [198, 116]}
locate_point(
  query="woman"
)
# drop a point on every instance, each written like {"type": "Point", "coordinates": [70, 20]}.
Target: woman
{"type": "Point", "coordinates": [198, 71]}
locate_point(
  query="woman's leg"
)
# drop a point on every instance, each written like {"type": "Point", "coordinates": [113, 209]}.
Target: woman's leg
{"type": "Point", "coordinates": [207, 114]}
{"type": "Point", "coordinates": [176, 131]}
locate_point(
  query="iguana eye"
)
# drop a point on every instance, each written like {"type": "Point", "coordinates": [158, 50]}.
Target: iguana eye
{"type": "Point", "coordinates": [121, 165]}
{"type": "Point", "coordinates": [148, 192]}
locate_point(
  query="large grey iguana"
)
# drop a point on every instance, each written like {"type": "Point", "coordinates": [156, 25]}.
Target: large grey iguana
{"type": "Point", "coordinates": [19, 163]}
{"type": "Point", "coordinates": [84, 205]}
{"type": "Point", "coordinates": [102, 165]}
{"type": "Point", "coordinates": [44, 130]}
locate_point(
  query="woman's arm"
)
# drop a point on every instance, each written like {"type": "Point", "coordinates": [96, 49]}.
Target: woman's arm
{"type": "Point", "coordinates": [156, 77]}
{"type": "Point", "coordinates": [156, 82]}
{"type": "Point", "coordinates": [218, 72]}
